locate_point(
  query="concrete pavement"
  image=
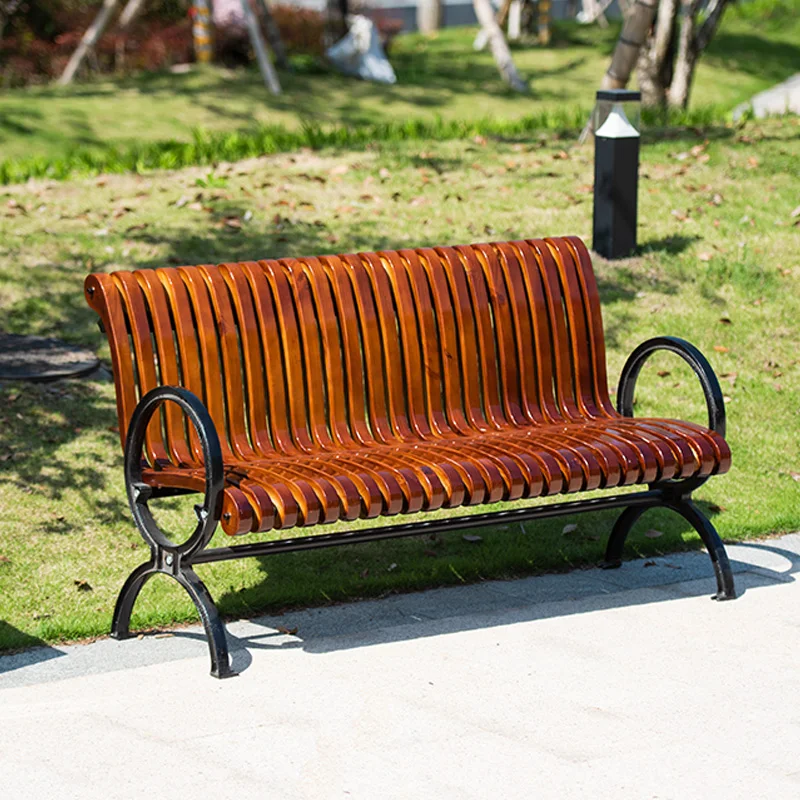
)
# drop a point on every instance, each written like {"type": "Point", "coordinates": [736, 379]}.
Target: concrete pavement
{"type": "Point", "coordinates": [621, 684]}
{"type": "Point", "coordinates": [779, 99]}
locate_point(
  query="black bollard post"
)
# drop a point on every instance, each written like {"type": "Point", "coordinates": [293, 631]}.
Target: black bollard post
{"type": "Point", "coordinates": [616, 172]}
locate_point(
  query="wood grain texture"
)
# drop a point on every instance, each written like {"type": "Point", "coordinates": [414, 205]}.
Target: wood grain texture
{"type": "Point", "coordinates": [375, 384]}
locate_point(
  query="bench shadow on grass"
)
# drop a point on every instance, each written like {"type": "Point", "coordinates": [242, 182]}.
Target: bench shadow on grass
{"type": "Point", "coordinates": [409, 616]}
{"type": "Point", "coordinates": [36, 651]}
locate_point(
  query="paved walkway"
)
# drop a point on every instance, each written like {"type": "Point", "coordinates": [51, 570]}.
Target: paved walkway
{"type": "Point", "coordinates": [621, 684]}
{"type": "Point", "coordinates": [777, 100]}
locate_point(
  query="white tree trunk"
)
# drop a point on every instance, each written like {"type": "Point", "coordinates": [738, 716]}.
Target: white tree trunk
{"type": "Point", "coordinates": [429, 16]}
{"type": "Point", "coordinates": [654, 67]}
{"type": "Point", "coordinates": [498, 45]}
{"type": "Point", "coordinates": [264, 64]}
{"type": "Point", "coordinates": [692, 41]}
{"type": "Point", "coordinates": [515, 21]}
{"type": "Point", "coordinates": [274, 36]}
{"type": "Point", "coordinates": [89, 40]}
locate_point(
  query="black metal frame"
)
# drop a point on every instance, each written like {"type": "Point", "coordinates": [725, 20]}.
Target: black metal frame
{"type": "Point", "coordinates": [178, 560]}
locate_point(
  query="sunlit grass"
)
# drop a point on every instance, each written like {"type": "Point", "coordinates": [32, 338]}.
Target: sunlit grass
{"type": "Point", "coordinates": [718, 265]}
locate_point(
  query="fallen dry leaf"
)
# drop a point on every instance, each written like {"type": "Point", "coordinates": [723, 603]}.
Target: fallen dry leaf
{"type": "Point", "coordinates": [720, 348]}
{"type": "Point", "coordinates": [795, 476]}
{"type": "Point", "coordinates": [83, 586]}
{"type": "Point", "coordinates": [569, 528]}
{"type": "Point", "coordinates": [725, 321]}
{"type": "Point", "coordinates": [4, 559]}
{"type": "Point", "coordinates": [287, 631]}
{"type": "Point", "coordinates": [705, 256]}
{"type": "Point", "coordinates": [653, 533]}
{"type": "Point", "coordinates": [662, 373]}
{"type": "Point", "coordinates": [471, 537]}
{"type": "Point", "coordinates": [339, 169]}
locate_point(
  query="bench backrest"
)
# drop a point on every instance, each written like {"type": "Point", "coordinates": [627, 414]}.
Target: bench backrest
{"type": "Point", "coordinates": [306, 353]}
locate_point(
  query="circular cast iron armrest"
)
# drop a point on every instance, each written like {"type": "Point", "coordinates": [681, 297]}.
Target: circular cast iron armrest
{"type": "Point", "coordinates": [696, 360]}
{"type": "Point", "coordinates": [139, 493]}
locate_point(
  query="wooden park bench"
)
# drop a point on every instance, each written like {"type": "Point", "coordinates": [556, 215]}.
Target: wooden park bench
{"type": "Point", "coordinates": [377, 384]}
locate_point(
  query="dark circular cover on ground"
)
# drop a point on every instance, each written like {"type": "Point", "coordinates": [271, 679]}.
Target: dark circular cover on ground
{"type": "Point", "coordinates": [35, 358]}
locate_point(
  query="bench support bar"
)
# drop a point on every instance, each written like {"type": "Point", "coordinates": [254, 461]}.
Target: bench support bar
{"type": "Point", "coordinates": [643, 500]}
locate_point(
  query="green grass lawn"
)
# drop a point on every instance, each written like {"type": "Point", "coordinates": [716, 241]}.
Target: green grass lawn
{"type": "Point", "coordinates": [718, 265]}
{"type": "Point", "coordinates": [440, 77]}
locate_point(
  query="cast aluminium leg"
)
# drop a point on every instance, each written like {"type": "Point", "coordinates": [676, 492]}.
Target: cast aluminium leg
{"type": "Point", "coordinates": [215, 630]}
{"type": "Point", "coordinates": [677, 494]}
{"type": "Point", "coordinates": [186, 577]}
{"type": "Point", "coordinates": [719, 558]}
{"type": "Point", "coordinates": [692, 514]}
{"type": "Point", "coordinates": [168, 557]}
{"type": "Point", "coordinates": [120, 624]}
{"type": "Point", "coordinates": [619, 533]}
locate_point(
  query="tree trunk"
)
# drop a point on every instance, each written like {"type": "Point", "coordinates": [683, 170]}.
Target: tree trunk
{"type": "Point", "coordinates": [264, 64]}
{"type": "Point", "coordinates": [125, 18]}
{"type": "Point", "coordinates": [544, 22]}
{"type": "Point", "coordinates": [89, 40]}
{"type": "Point", "coordinates": [633, 36]}
{"type": "Point", "coordinates": [273, 36]}
{"type": "Point", "coordinates": [7, 10]}
{"type": "Point", "coordinates": [692, 41]}
{"type": "Point", "coordinates": [335, 21]}
{"type": "Point", "coordinates": [515, 21]}
{"type": "Point", "coordinates": [429, 16]}
{"type": "Point", "coordinates": [654, 67]}
{"type": "Point", "coordinates": [498, 46]}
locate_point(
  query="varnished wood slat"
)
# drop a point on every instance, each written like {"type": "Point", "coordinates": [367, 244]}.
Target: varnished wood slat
{"type": "Point", "coordinates": [136, 313]}
{"type": "Point", "coordinates": [180, 453]}
{"type": "Point", "coordinates": [381, 383]}
{"type": "Point", "coordinates": [103, 297]}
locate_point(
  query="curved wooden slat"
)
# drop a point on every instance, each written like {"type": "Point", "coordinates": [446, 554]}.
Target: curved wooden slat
{"type": "Point", "coordinates": [373, 384]}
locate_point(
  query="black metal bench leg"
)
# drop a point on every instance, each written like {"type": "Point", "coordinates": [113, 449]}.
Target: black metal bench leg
{"type": "Point", "coordinates": [120, 624]}
{"type": "Point", "coordinates": [186, 577]}
{"type": "Point", "coordinates": [619, 533]}
{"type": "Point", "coordinates": [716, 549]}
{"type": "Point", "coordinates": [215, 630]}
{"type": "Point", "coordinates": [692, 514]}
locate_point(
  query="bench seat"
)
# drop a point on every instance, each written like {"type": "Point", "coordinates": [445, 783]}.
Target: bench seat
{"type": "Point", "coordinates": [282, 491]}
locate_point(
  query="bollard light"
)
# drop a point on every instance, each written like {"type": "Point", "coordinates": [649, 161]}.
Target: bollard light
{"type": "Point", "coordinates": [616, 124]}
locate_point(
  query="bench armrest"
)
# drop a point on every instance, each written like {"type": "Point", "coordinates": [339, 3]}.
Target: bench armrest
{"type": "Point", "coordinates": [696, 360]}
{"type": "Point", "coordinates": [139, 492]}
